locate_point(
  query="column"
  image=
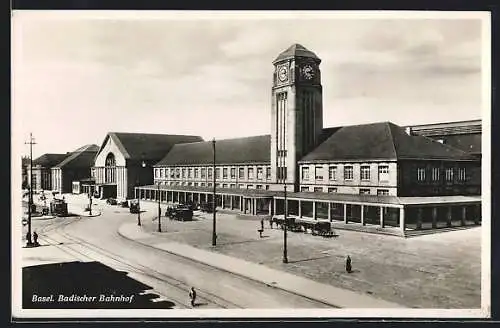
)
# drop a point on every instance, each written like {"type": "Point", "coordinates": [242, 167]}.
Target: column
{"type": "Point", "coordinates": [419, 218]}
{"type": "Point", "coordinates": [434, 217]}
{"type": "Point", "coordinates": [255, 206]}
{"type": "Point", "coordinates": [381, 217]}
{"type": "Point", "coordinates": [244, 205]}
{"type": "Point", "coordinates": [241, 203]}
{"type": "Point", "coordinates": [464, 215]}
{"type": "Point", "coordinates": [345, 213]}
{"type": "Point", "coordinates": [300, 208]}
{"type": "Point", "coordinates": [314, 210]}
{"type": "Point", "coordinates": [477, 214]}
{"type": "Point", "coordinates": [270, 208]}
{"type": "Point", "coordinates": [222, 201]}
{"type": "Point", "coordinates": [448, 217]}
{"type": "Point", "coordinates": [402, 219]}
{"type": "Point", "coordinates": [362, 214]}
{"type": "Point", "coordinates": [329, 211]}
{"type": "Point", "coordinates": [274, 204]}
{"type": "Point", "coordinates": [231, 202]}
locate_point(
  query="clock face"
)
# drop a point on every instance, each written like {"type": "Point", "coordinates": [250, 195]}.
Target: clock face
{"type": "Point", "coordinates": [308, 72]}
{"type": "Point", "coordinates": [282, 73]}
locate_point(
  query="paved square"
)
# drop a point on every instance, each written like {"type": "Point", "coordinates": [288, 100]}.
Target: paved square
{"type": "Point", "coordinates": [441, 270]}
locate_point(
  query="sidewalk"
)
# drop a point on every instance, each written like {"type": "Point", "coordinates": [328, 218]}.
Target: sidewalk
{"type": "Point", "coordinates": [327, 294]}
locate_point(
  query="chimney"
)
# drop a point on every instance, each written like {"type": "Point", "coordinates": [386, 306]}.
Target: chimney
{"type": "Point", "coordinates": [408, 130]}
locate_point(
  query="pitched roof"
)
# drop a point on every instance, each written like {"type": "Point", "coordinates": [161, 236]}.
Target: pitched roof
{"type": "Point", "coordinates": [380, 141]}
{"type": "Point", "coordinates": [296, 50]}
{"type": "Point", "coordinates": [49, 160]}
{"type": "Point", "coordinates": [254, 149]}
{"type": "Point", "coordinates": [147, 146]}
{"type": "Point", "coordinates": [83, 157]}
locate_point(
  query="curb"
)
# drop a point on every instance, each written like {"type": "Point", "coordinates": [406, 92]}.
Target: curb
{"type": "Point", "coordinates": [284, 288]}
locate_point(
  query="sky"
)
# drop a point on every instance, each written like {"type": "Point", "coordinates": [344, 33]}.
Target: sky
{"type": "Point", "coordinates": [77, 77]}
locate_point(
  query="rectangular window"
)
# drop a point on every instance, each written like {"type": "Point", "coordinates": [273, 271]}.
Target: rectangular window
{"type": "Point", "coordinates": [282, 173]}
{"type": "Point", "coordinates": [364, 191]}
{"type": "Point", "coordinates": [196, 184]}
{"type": "Point", "coordinates": [172, 173]}
{"type": "Point", "coordinates": [435, 174]}
{"type": "Point", "coordinates": [259, 187]}
{"type": "Point", "coordinates": [210, 173]}
{"type": "Point", "coordinates": [267, 187]}
{"type": "Point", "coordinates": [217, 185]}
{"type": "Point", "coordinates": [305, 173]}
{"type": "Point", "coordinates": [250, 187]}
{"type": "Point", "coordinates": [318, 189]}
{"type": "Point", "coordinates": [332, 189]}
{"type": "Point", "coordinates": [224, 173]}
{"type": "Point", "coordinates": [190, 173]}
{"type": "Point", "coordinates": [203, 173]}
{"type": "Point", "coordinates": [190, 183]}
{"type": "Point", "coordinates": [268, 173]}
{"type": "Point", "coordinates": [241, 173]}
{"type": "Point", "coordinates": [209, 184]}
{"type": "Point", "coordinates": [260, 173]}
{"type": "Point", "coordinates": [382, 192]}
{"type": "Point", "coordinates": [241, 186]}
{"type": "Point", "coordinates": [232, 186]}
{"type": "Point", "coordinates": [383, 173]}
{"type": "Point", "coordinates": [304, 189]}
{"type": "Point", "coordinates": [156, 173]}
{"type": "Point", "coordinates": [161, 173]}
{"type": "Point", "coordinates": [421, 174]}
{"type": "Point", "coordinates": [461, 174]}
{"type": "Point", "coordinates": [177, 173]}
{"type": "Point", "coordinates": [224, 185]}
{"type": "Point", "coordinates": [202, 184]}
{"type": "Point", "coordinates": [332, 173]}
{"type": "Point", "coordinates": [348, 173]}
{"type": "Point", "coordinates": [365, 173]}
{"type": "Point", "coordinates": [196, 173]}
{"type": "Point", "coordinates": [217, 173]}
{"type": "Point", "coordinates": [233, 173]}
{"type": "Point", "coordinates": [250, 173]}
{"type": "Point", "coordinates": [449, 174]}
{"type": "Point", "coordinates": [318, 173]}
{"type": "Point", "coordinates": [183, 173]}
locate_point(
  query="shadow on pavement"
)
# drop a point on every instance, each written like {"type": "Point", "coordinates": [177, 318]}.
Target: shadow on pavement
{"type": "Point", "coordinates": [85, 285]}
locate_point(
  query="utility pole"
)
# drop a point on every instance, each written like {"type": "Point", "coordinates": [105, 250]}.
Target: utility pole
{"type": "Point", "coordinates": [285, 252]}
{"type": "Point", "coordinates": [29, 242]}
{"type": "Point", "coordinates": [214, 204]}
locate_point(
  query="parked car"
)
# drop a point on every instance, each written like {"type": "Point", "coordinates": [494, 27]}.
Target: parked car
{"type": "Point", "coordinates": [206, 207]}
{"type": "Point", "coordinates": [180, 212]}
{"type": "Point", "coordinates": [124, 204]}
{"type": "Point", "coordinates": [111, 201]}
{"type": "Point", "coordinates": [58, 207]}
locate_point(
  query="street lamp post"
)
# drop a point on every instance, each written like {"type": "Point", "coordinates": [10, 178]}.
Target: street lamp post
{"type": "Point", "coordinates": [143, 165]}
{"type": "Point", "coordinates": [29, 242]}
{"type": "Point", "coordinates": [159, 210]}
{"type": "Point", "coordinates": [90, 202]}
{"type": "Point", "coordinates": [214, 233]}
{"type": "Point", "coordinates": [285, 253]}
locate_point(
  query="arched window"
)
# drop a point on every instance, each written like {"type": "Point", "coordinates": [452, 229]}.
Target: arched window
{"type": "Point", "coordinates": [110, 171]}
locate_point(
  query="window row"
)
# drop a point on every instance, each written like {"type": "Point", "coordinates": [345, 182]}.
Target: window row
{"type": "Point", "coordinates": [203, 173]}
{"type": "Point", "coordinates": [365, 173]}
{"type": "Point", "coordinates": [435, 174]}
{"type": "Point", "coordinates": [218, 185]}
{"type": "Point", "coordinates": [362, 191]}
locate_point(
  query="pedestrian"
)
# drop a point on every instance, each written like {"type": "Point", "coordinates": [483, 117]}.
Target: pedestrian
{"type": "Point", "coordinates": [271, 222]}
{"type": "Point", "coordinates": [192, 296]}
{"type": "Point", "coordinates": [35, 239]}
{"type": "Point", "coordinates": [348, 266]}
{"type": "Point", "coordinates": [262, 224]}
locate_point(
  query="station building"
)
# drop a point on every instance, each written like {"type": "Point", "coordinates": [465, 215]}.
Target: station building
{"type": "Point", "coordinates": [377, 175]}
{"type": "Point", "coordinates": [74, 167]}
{"type": "Point", "coordinates": [42, 170]}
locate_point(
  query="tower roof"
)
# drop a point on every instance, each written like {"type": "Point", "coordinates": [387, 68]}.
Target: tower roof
{"type": "Point", "coordinates": [296, 50]}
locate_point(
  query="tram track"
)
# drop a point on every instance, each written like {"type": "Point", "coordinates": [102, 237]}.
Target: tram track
{"type": "Point", "coordinates": [115, 260]}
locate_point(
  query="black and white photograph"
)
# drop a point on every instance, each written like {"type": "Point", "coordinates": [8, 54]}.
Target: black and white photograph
{"type": "Point", "coordinates": [233, 164]}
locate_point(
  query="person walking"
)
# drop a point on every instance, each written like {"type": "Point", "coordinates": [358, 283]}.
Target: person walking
{"type": "Point", "coordinates": [192, 296]}
{"type": "Point", "coordinates": [35, 239]}
{"type": "Point", "coordinates": [348, 266]}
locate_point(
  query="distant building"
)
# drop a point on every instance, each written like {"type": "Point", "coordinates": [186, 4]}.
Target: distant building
{"type": "Point", "coordinates": [42, 173]}
{"type": "Point", "coordinates": [125, 161]}
{"type": "Point", "coordinates": [74, 167]}
{"type": "Point", "coordinates": [25, 162]}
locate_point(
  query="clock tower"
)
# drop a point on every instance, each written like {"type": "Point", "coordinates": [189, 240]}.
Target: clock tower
{"type": "Point", "coordinates": [296, 112]}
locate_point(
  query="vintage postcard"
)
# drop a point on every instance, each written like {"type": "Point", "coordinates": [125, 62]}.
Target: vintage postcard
{"type": "Point", "coordinates": [171, 164]}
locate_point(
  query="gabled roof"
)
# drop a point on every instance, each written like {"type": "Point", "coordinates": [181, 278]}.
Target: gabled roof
{"type": "Point", "coordinates": [147, 146]}
{"type": "Point", "coordinates": [83, 157]}
{"type": "Point", "coordinates": [49, 160]}
{"type": "Point", "coordinates": [380, 141]}
{"type": "Point", "coordinates": [296, 50]}
{"type": "Point", "coordinates": [228, 151]}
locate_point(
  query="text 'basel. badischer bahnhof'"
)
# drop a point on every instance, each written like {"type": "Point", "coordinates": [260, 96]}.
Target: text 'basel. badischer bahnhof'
{"type": "Point", "coordinates": [379, 175]}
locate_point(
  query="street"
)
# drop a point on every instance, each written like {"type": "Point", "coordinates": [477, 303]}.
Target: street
{"type": "Point", "coordinates": [96, 239]}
